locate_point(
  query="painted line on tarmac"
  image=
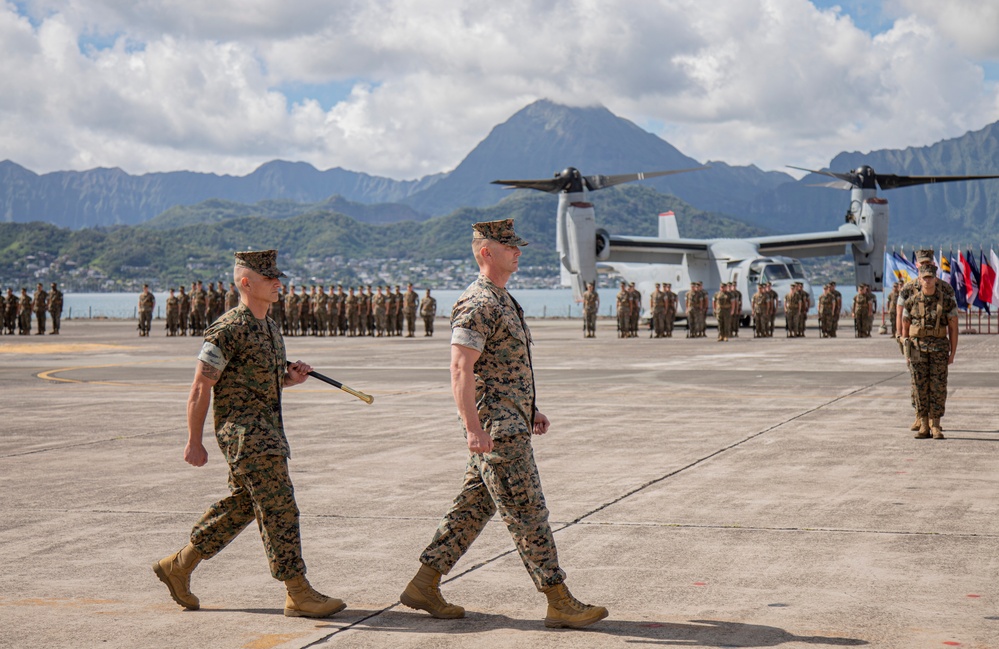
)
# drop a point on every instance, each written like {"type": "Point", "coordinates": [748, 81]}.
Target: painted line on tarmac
{"type": "Point", "coordinates": [50, 375]}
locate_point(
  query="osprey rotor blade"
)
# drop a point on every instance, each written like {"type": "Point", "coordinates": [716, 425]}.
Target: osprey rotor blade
{"type": "Point", "coordinates": [550, 185]}
{"type": "Point", "coordinates": [596, 182]}
{"type": "Point", "coordinates": [891, 181]}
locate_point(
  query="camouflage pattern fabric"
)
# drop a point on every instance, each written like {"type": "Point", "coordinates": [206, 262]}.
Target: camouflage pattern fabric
{"type": "Point", "coordinates": [172, 314]}
{"type": "Point", "coordinates": [760, 303]}
{"type": "Point", "coordinates": [929, 371]}
{"type": "Point", "coordinates": [428, 311]}
{"type": "Point", "coordinates": [250, 354]}
{"type": "Point", "coordinates": [623, 312]}
{"type": "Point", "coordinates": [590, 301]}
{"type": "Point", "coordinates": [657, 300]}
{"type": "Point", "coordinates": [723, 312]}
{"type": "Point", "coordinates": [827, 303]}
{"type": "Point", "coordinates": [260, 488]}
{"type": "Point", "coordinates": [410, 303]}
{"type": "Point", "coordinates": [505, 480]}
{"type": "Point", "coordinates": [486, 318]}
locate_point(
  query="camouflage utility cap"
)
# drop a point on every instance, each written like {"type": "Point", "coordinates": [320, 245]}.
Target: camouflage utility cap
{"type": "Point", "coordinates": [500, 231]}
{"type": "Point", "coordinates": [263, 262]}
{"type": "Point", "coordinates": [926, 270]}
{"type": "Point", "coordinates": [924, 256]}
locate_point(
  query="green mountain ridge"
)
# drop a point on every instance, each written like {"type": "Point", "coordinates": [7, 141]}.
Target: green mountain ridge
{"type": "Point", "coordinates": [310, 237]}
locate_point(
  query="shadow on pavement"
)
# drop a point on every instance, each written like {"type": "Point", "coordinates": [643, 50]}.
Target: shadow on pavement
{"type": "Point", "coordinates": [707, 633]}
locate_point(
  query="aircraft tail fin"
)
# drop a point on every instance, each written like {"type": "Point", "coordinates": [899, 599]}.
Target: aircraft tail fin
{"type": "Point", "coordinates": [668, 228]}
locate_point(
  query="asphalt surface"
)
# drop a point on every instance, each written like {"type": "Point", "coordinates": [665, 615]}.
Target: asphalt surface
{"type": "Point", "coordinates": [755, 493]}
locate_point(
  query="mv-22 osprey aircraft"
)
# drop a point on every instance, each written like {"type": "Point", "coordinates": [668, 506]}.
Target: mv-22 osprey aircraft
{"type": "Point", "coordinates": [646, 261]}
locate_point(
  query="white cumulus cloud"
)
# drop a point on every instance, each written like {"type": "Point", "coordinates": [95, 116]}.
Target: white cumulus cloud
{"type": "Point", "coordinates": [406, 88]}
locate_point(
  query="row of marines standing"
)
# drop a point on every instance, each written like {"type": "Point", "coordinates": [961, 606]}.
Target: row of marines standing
{"type": "Point", "coordinates": [314, 312]}
{"type": "Point", "coordinates": [192, 311]}
{"type": "Point", "coordinates": [16, 310]}
{"type": "Point", "coordinates": [353, 313]}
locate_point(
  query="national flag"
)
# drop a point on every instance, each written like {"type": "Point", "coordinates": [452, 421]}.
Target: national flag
{"type": "Point", "coordinates": [986, 288]}
{"type": "Point", "coordinates": [995, 268]}
{"type": "Point", "coordinates": [897, 269]}
{"type": "Point", "coordinates": [957, 281]}
{"type": "Point", "coordinates": [971, 277]}
{"type": "Point", "coordinates": [976, 281]}
{"type": "Point", "coordinates": [943, 270]}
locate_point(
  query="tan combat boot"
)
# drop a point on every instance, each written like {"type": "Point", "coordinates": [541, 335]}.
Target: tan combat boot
{"type": "Point", "coordinates": [304, 601]}
{"type": "Point", "coordinates": [924, 428]}
{"type": "Point", "coordinates": [565, 611]}
{"type": "Point", "coordinates": [175, 571]}
{"type": "Point", "coordinates": [915, 424]}
{"type": "Point", "coordinates": [935, 428]}
{"type": "Point", "coordinates": [423, 593]}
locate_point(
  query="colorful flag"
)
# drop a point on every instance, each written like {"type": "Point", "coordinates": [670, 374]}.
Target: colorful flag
{"type": "Point", "coordinates": [974, 278]}
{"type": "Point", "coordinates": [986, 287]}
{"type": "Point", "coordinates": [995, 267]}
{"type": "Point", "coordinates": [943, 269]}
{"type": "Point", "coordinates": [957, 281]}
{"type": "Point", "coordinates": [897, 269]}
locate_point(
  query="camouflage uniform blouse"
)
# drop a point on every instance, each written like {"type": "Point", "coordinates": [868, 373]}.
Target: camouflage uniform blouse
{"type": "Point", "coordinates": [487, 319]}
{"type": "Point", "coordinates": [928, 318]}
{"type": "Point", "coordinates": [251, 356]}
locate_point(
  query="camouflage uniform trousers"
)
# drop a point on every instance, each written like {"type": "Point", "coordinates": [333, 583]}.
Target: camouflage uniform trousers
{"type": "Point", "coordinates": [261, 488]}
{"type": "Point", "coordinates": [428, 325]}
{"type": "Point", "coordinates": [145, 320]}
{"type": "Point", "coordinates": [724, 324]}
{"type": "Point", "coordinates": [505, 480]}
{"type": "Point", "coordinates": [760, 324]}
{"type": "Point", "coordinates": [659, 322]}
{"type": "Point", "coordinates": [929, 377]}
{"type": "Point", "coordinates": [590, 322]}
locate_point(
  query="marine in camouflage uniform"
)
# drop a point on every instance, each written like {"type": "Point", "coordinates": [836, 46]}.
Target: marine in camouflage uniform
{"type": "Point", "coordinates": [635, 312]}
{"type": "Point", "coordinates": [493, 382]}
{"type": "Point", "coordinates": [24, 314]}
{"type": "Point", "coordinates": [792, 308]}
{"type": "Point", "coordinates": [350, 308]}
{"type": "Point", "coordinates": [172, 313]}
{"type": "Point", "coordinates": [410, 303]}
{"type": "Point", "coordinates": [736, 309]}
{"type": "Point", "coordinates": [657, 307]}
{"type": "Point", "coordinates": [55, 307]}
{"type": "Point", "coordinates": [428, 311]}
{"type": "Point", "coordinates": [276, 311]}
{"type": "Point", "coordinates": [381, 313]}
{"type": "Point", "coordinates": [670, 317]}
{"type": "Point", "coordinates": [40, 305]}
{"type": "Point", "coordinates": [291, 311]}
{"type": "Point", "coordinates": [591, 304]}
{"type": "Point", "coordinates": [760, 304]}
{"type": "Point", "coordinates": [837, 307]}
{"type": "Point", "coordinates": [623, 311]}
{"type": "Point", "coordinates": [321, 311]}
{"type": "Point", "coordinates": [399, 300]}
{"type": "Point", "coordinates": [723, 312]}
{"type": "Point", "coordinates": [185, 311]}
{"type": "Point", "coordinates": [304, 311]}
{"type": "Point", "coordinates": [241, 372]}
{"type": "Point", "coordinates": [10, 313]}
{"type": "Point", "coordinates": [827, 302]}
{"type": "Point", "coordinates": [923, 257]}
{"type": "Point", "coordinates": [332, 311]}
{"type": "Point", "coordinates": [930, 324]}
{"type": "Point", "coordinates": [231, 297]}
{"type": "Point", "coordinates": [862, 316]}
{"type": "Point", "coordinates": [147, 301]}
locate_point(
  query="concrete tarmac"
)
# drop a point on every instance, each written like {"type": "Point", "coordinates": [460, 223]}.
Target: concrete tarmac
{"type": "Point", "coordinates": [755, 493]}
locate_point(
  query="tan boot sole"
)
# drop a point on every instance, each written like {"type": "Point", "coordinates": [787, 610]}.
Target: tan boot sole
{"type": "Point", "coordinates": [418, 605]}
{"type": "Point", "coordinates": [158, 569]}
{"type": "Point", "coordinates": [294, 612]}
{"type": "Point", "coordinates": [569, 624]}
